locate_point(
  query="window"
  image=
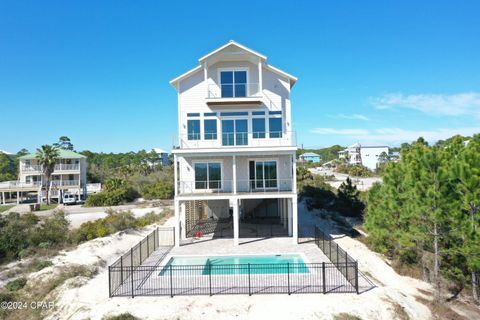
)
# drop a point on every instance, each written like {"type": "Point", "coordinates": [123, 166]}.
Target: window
{"type": "Point", "coordinates": [210, 129]}
{"type": "Point", "coordinates": [208, 175]}
{"type": "Point", "coordinates": [263, 174]}
{"type": "Point", "coordinates": [193, 114]}
{"type": "Point", "coordinates": [235, 132]}
{"type": "Point", "coordinates": [258, 128]}
{"type": "Point", "coordinates": [193, 129]}
{"type": "Point", "coordinates": [233, 83]}
{"type": "Point", "coordinates": [275, 127]}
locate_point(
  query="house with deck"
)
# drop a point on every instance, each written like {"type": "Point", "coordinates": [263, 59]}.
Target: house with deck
{"type": "Point", "coordinates": [234, 161]}
{"type": "Point", "coordinates": [310, 157]}
{"type": "Point", "coordinates": [69, 175]}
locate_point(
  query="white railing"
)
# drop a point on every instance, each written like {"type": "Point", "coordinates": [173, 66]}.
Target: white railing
{"type": "Point", "coordinates": [239, 139]}
{"type": "Point", "coordinates": [243, 186]}
{"type": "Point", "coordinates": [67, 167]}
{"type": "Point", "coordinates": [233, 91]}
{"type": "Point", "coordinates": [31, 168]}
{"type": "Point", "coordinates": [65, 183]}
{"type": "Point", "coordinates": [19, 184]}
{"type": "Point", "coordinates": [58, 167]}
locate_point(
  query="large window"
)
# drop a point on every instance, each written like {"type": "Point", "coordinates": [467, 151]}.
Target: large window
{"type": "Point", "coordinates": [263, 174]}
{"type": "Point", "coordinates": [210, 129]}
{"type": "Point", "coordinates": [235, 132]}
{"type": "Point", "coordinates": [193, 129]}
{"type": "Point", "coordinates": [208, 175]}
{"type": "Point", "coordinates": [258, 128]}
{"type": "Point", "coordinates": [233, 83]}
{"type": "Point", "coordinates": [275, 127]}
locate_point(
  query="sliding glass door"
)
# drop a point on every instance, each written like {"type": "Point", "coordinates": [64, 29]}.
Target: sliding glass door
{"type": "Point", "coordinates": [208, 175]}
{"type": "Point", "coordinates": [263, 174]}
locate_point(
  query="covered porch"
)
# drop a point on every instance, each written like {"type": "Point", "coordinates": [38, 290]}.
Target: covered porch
{"type": "Point", "coordinates": [201, 219]}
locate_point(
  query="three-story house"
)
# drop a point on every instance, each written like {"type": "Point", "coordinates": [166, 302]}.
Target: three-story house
{"type": "Point", "coordinates": [235, 170]}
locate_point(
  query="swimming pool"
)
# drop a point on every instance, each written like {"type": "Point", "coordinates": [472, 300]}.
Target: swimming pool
{"type": "Point", "coordinates": [241, 264]}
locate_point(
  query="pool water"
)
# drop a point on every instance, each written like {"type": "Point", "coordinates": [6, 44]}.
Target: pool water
{"type": "Point", "coordinates": [224, 265]}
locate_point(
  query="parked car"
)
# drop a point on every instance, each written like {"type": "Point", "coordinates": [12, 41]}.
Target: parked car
{"type": "Point", "coordinates": [69, 198]}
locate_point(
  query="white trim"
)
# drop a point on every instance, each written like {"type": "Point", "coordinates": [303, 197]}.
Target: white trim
{"type": "Point", "coordinates": [292, 79]}
{"type": "Point", "coordinates": [184, 75]}
{"type": "Point", "coordinates": [232, 43]}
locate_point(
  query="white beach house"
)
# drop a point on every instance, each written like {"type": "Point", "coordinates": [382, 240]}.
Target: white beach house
{"type": "Point", "coordinates": [234, 162]}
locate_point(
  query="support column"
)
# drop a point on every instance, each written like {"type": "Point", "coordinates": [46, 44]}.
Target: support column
{"type": "Point", "coordinates": [235, 222]}
{"type": "Point", "coordinates": [294, 178]}
{"type": "Point", "coordinates": [183, 229]}
{"type": "Point", "coordinates": [234, 170]}
{"type": "Point", "coordinates": [294, 220]}
{"type": "Point", "coordinates": [3, 197]}
{"type": "Point", "coordinates": [175, 173]}
{"type": "Point", "coordinates": [177, 223]}
{"type": "Point", "coordinates": [288, 206]}
{"type": "Point", "coordinates": [18, 198]}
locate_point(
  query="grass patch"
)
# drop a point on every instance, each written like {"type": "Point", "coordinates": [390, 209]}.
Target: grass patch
{"type": "Point", "coordinates": [4, 208]}
{"type": "Point", "coordinates": [16, 284]}
{"type": "Point", "coordinates": [38, 265]}
{"type": "Point", "coordinates": [440, 310]}
{"type": "Point", "coordinates": [123, 316]}
{"type": "Point", "coordinates": [345, 316]}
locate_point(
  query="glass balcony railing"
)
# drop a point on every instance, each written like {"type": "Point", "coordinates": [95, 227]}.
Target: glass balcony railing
{"type": "Point", "coordinates": [243, 186]}
{"type": "Point", "coordinates": [233, 90]}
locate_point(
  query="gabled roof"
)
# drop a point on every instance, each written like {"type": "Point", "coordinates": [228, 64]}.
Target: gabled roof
{"type": "Point", "coordinates": [310, 154]}
{"type": "Point", "coordinates": [230, 44]}
{"type": "Point", "coordinates": [63, 154]}
{"type": "Point", "coordinates": [292, 78]}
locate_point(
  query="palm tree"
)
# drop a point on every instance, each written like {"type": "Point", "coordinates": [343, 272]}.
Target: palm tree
{"type": "Point", "coordinates": [47, 157]}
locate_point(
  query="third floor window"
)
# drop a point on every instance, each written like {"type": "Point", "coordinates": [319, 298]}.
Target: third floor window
{"type": "Point", "coordinates": [233, 83]}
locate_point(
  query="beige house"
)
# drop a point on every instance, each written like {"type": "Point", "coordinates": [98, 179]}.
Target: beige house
{"type": "Point", "coordinates": [69, 175]}
{"type": "Point", "coordinates": [235, 157]}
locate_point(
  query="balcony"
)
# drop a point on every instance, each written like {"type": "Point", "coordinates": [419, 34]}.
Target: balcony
{"type": "Point", "coordinates": [65, 183]}
{"type": "Point", "coordinates": [237, 140]}
{"type": "Point", "coordinates": [234, 94]}
{"type": "Point", "coordinates": [31, 168]}
{"type": "Point", "coordinates": [243, 187]}
{"type": "Point", "coordinates": [19, 185]}
{"type": "Point", "coordinates": [67, 167]}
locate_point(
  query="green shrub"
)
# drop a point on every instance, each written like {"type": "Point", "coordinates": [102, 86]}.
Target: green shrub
{"type": "Point", "coordinates": [162, 189]}
{"type": "Point", "coordinates": [16, 284]}
{"type": "Point", "coordinates": [54, 230]}
{"type": "Point", "coordinates": [123, 316]}
{"type": "Point", "coordinates": [15, 231]}
{"type": "Point", "coordinates": [38, 265]}
{"type": "Point", "coordinates": [112, 198]}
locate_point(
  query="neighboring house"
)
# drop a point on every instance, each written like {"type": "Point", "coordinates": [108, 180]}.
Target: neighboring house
{"type": "Point", "coordinates": [162, 155]}
{"type": "Point", "coordinates": [367, 156]}
{"type": "Point", "coordinates": [70, 174]}
{"type": "Point", "coordinates": [235, 161]}
{"type": "Point", "coordinates": [310, 157]}
{"type": "Point", "coordinates": [394, 156]}
{"type": "Point", "coordinates": [370, 155]}
{"type": "Point", "coordinates": [351, 154]}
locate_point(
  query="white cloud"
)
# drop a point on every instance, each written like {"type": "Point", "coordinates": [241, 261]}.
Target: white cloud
{"type": "Point", "coordinates": [339, 131]}
{"type": "Point", "coordinates": [353, 116]}
{"type": "Point", "coordinates": [434, 104]}
{"type": "Point", "coordinates": [394, 136]}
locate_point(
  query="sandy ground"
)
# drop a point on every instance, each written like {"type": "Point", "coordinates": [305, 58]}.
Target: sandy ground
{"type": "Point", "coordinates": [362, 184]}
{"type": "Point", "coordinates": [91, 300]}
{"type": "Point", "coordinates": [76, 219]}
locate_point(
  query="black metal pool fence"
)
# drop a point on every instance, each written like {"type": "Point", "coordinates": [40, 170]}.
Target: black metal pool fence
{"type": "Point", "coordinates": [129, 276]}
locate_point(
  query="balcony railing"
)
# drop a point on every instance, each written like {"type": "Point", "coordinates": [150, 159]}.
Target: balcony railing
{"type": "Point", "coordinates": [31, 168]}
{"type": "Point", "coordinates": [233, 90]}
{"type": "Point", "coordinates": [65, 183]}
{"type": "Point", "coordinates": [67, 167]}
{"type": "Point", "coordinates": [238, 139]}
{"type": "Point", "coordinates": [243, 186]}
{"type": "Point", "coordinates": [19, 184]}
{"type": "Point", "coordinates": [58, 167]}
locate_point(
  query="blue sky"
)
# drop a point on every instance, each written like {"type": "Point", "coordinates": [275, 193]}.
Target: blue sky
{"type": "Point", "coordinates": [369, 71]}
